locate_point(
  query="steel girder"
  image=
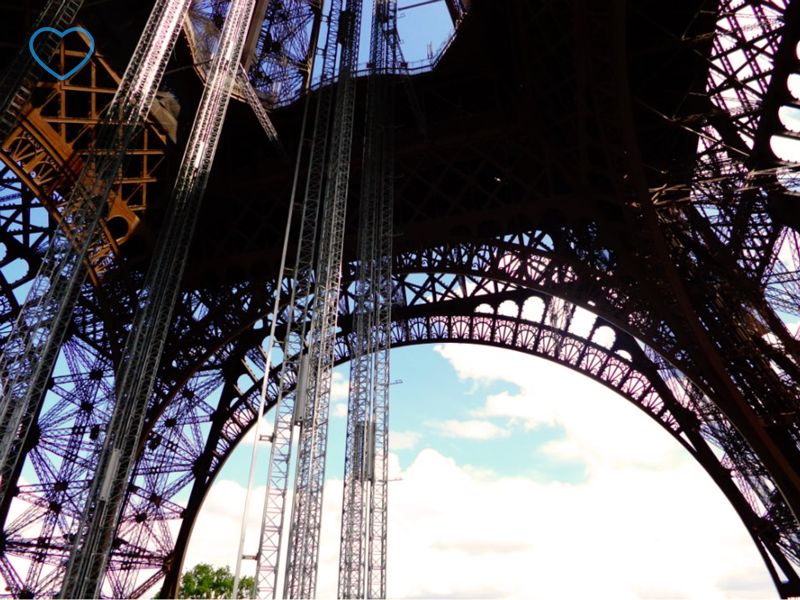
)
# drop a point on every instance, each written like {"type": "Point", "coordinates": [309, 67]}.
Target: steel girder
{"type": "Point", "coordinates": [716, 311]}
{"type": "Point", "coordinates": [176, 450]}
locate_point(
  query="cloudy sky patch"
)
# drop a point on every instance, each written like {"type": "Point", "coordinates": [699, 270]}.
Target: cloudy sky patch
{"type": "Point", "coordinates": [582, 495]}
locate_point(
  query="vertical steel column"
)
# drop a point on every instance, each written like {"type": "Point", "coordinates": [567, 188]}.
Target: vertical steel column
{"type": "Point", "coordinates": [292, 394]}
{"type": "Point", "coordinates": [145, 343]}
{"type": "Point", "coordinates": [362, 560]}
{"type": "Point", "coordinates": [378, 502]}
{"type": "Point", "coordinates": [35, 340]}
{"type": "Point", "coordinates": [303, 555]}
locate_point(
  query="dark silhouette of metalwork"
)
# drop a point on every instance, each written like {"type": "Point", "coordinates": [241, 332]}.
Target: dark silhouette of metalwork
{"type": "Point", "coordinates": [618, 157]}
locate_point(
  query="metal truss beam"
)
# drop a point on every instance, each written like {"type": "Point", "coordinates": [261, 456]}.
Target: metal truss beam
{"type": "Point", "coordinates": [463, 323]}
{"type": "Point", "coordinates": [362, 559]}
{"type": "Point", "coordinates": [142, 354]}
{"type": "Point", "coordinates": [33, 345]}
{"type": "Point", "coordinates": [280, 48]}
{"type": "Point", "coordinates": [483, 328]}
{"type": "Point", "coordinates": [744, 392]}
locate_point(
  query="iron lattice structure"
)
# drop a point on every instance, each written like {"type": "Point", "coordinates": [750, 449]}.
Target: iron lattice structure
{"type": "Point", "coordinates": [364, 532]}
{"type": "Point", "coordinates": [614, 156]}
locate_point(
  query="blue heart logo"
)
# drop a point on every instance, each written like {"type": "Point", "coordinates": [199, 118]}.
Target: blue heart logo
{"type": "Point", "coordinates": [61, 35]}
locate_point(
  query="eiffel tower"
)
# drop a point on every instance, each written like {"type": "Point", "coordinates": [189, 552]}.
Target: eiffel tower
{"type": "Point", "coordinates": [633, 159]}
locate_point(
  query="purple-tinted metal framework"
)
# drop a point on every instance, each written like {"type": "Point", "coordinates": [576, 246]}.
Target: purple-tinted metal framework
{"type": "Point", "coordinates": [635, 178]}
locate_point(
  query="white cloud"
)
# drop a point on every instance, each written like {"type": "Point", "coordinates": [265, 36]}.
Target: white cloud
{"type": "Point", "coordinates": [480, 547]}
{"type": "Point", "coordinates": [631, 534]}
{"type": "Point", "coordinates": [215, 536]}
{"type": "Point", "coordinates": [785, 148]}
{"type": "Point", "coordinates": [471, 430]}
{"type": "Point", "coordinates": [582, 321]}
{"type": "Point", "coordinates": [404, 440]}
{"type": "Point", "coordinates": [340, 386]}
{"type": "Point", "coordinates": [599, 425]}
{"type": "Point", "coordinates": [604, 336]}
{"type": "Point", "coordinates": [743, 584]}
{"type": "Point", "coordinates": [520, 408]}
{"type": "Point", "coordinates": [339, 409]}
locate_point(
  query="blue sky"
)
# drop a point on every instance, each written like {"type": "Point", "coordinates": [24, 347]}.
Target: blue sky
{"type": "Point", "coordinates": [429, 409]}
{"type": "Point", "coordinates": [422, 27]}
{"type": "Point", "coordinates": [434, 398]}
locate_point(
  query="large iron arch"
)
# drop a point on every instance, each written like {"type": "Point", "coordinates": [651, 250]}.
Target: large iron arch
{"type": "Point", "coordinates": [435, 307]}
{"type": "Point", "coordinates": [638, 379]}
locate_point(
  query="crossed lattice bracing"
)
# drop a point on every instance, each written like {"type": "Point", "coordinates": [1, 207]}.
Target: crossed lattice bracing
{"type": "Point", "coordinates": [364, 531]}
{"type": "Point", "coordinates": [280, 63]}
{"type": "Point", "coordinates": [680, 234]}
{"type": "Point", "coordinates": [163, 471]}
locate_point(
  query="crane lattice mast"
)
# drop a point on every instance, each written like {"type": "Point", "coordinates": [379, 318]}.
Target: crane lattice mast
{"type": "Point", "coordinates": [144, 346]}
{"type": "Point", "coordinates": [303, 550]}
{"type": "Point", "coordinates": [362, 560]}
{"type": "Point", "coordinates": [378, 502]}
{"type": "Point", "coordinates": [33, 345]}
{"type": "Point", "coordinates": [305, 378]}
{"type": "Point", "coordinates": [293, 390]}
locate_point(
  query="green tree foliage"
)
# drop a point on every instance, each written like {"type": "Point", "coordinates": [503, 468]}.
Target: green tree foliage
{"type": "Point", "coordinates": [204, 581]}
